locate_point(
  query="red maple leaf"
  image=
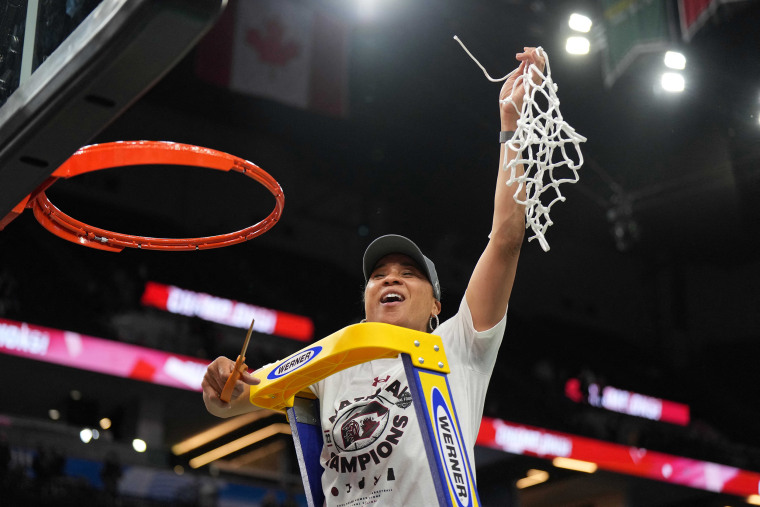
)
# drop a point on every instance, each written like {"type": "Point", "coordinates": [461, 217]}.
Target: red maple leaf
{"type": "Point", "coordinates": [271, 44]}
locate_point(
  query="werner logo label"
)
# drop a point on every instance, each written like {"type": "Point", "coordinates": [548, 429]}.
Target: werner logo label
{"type": "Point", "coordinates": [291, 364]}
{"type": "Point", "coordinates": [451, 449]}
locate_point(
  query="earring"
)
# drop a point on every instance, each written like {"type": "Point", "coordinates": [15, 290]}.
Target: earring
{"type": "Point", "coordinates": [362, 321]}
{"type": "Point", "coordinates": [430, 323]}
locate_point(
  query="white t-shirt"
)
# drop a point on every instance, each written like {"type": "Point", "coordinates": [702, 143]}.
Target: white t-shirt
{"type": "Point", "coordinates": [372, 446]}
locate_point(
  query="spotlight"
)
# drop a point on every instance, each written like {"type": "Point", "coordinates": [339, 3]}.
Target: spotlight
{"type": "Point", "coordinates": [577, 45]}
{"type": "Point", "coordinates": [675, 60]}
{"type": "Point", "coordinates": [105, 423]}
{"type": "Point", "coordinates": [579, 22]}
{"type": "Point", "coordinates": [367, 9]}
{"type": "Point", "coordinates": [85, 435]}
{"type": "Point", "coordinates": [672, 82]}
{"type": "Point", "coordinates": [139, 445]}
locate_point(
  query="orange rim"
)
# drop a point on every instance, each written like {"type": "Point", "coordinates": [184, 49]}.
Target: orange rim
{"type": "Point", "coordinates": [129, 153]}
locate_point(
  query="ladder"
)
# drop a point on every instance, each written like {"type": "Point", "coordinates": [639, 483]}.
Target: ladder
{"type": "Point", "coordinates": [284, 387]}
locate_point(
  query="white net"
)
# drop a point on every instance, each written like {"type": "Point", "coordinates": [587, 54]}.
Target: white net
{"type": "Point", "coordinates": [547, 147]}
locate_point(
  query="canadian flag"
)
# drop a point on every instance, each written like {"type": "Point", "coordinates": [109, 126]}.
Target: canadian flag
{"type": "Point", "coordinates": [286, 50]}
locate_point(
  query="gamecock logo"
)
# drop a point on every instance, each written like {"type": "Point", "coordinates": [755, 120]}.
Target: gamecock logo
{"type": "Point", "coordinates": [360, 426]}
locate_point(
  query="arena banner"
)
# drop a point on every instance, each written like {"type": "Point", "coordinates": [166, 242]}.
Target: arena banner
{"type": "Point", "coordinates": [693, 14]}
{"type": "Point", "coordinates": [627, 402]}
{"type": "Point", "coordinates": [632, 27]}
{"type": "Point", "coordinates": [99, 355]}
{"type": "Point", "coordinates": [285, 50]}
{"type": "Point", "coordinates": [227, 311]}
{"type": "Point", "coordinates": [636, 461]}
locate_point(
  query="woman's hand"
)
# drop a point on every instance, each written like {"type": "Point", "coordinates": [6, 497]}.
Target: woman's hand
{"type": "Point", "coordinates": [213, 383]}
{"type": "Point", "coordinates": [510, 109]}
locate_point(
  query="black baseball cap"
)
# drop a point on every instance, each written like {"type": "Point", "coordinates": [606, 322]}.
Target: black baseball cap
{"type": "Point", "coordinates": [393, 243]}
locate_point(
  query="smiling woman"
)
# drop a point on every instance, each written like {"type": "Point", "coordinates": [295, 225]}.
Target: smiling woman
{"type": "Point", "coordinates": [365, 410]}
{"type": "Point", "coordinates": [399, 290]}
{"type": "Point", "coordinates": [398, 293]}
{"type": "Point", "coordinates": [366, 421]}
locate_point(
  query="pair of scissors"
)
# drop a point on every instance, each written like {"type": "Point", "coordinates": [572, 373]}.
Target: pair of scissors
{"type": "Point", "coordinates": [240, 367]}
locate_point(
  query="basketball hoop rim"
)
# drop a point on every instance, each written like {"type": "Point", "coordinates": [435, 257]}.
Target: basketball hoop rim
{"type": "Point", "coordinates": [132, 153]}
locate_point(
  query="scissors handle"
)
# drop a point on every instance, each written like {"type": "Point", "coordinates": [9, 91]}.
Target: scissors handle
{"type": "Point", "coordinates": [229, 386]}
{"type": "Point", "coordinates": [240, 367]}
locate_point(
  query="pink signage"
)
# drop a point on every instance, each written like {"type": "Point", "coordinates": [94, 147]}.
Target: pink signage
{"type": "Point", "coordinates": [627, 402]}
{"type": "Point", "coordinates": [226, 311]}
{"type": "Point", "coordinates": [102, 356]}
{"type": "Point", "coordinates": [532, 441]}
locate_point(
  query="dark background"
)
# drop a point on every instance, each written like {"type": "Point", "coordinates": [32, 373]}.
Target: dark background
{"type": "Point", "coordinates": [669, 310]}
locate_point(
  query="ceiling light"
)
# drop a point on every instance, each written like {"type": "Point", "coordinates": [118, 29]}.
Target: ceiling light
{"type": "Point", "coordinates": [367, 9]}
{"type": "Point", "coordinates": [675, 60]}
{"type": "Point", "coordinates": [54, 414]}
{"type": "Point", "coordinates": [577, 45]}
{"type": "Point", "coordinates": [672, 82]}
{"type": "Point", "coordinates": [575, 464]}
{"type": "Point", "coordinates": [105, 423]}
{"type": "Point", "coordinates": [139, 445]}
{"type": "Point", "coordinates": [532, 478]}
{"type": "Point", "coordinates": [85, 435]}
{"type": "Point", "coordinates": [240, 443]}
{"type": "Point", "coordinates": [218, 431]}
{"type": "Point", "coordinates": [579, 22]}
{"type": "Point", "coordinates": [261, 453]}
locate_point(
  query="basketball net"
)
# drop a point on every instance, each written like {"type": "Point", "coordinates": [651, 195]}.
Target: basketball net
{"type": "Point", "coordinates": [541, 146]}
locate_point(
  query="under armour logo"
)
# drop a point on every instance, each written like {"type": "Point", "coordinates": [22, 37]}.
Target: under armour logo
{"type": "Point", "coordinates": [378, 380]}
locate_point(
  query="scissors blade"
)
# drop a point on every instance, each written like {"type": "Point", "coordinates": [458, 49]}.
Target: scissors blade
{"type": "Point", "coordinates": [247, 339]}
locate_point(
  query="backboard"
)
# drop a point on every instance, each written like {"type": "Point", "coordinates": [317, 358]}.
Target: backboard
{"type": "Point", "coordinates": [61, 84]}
